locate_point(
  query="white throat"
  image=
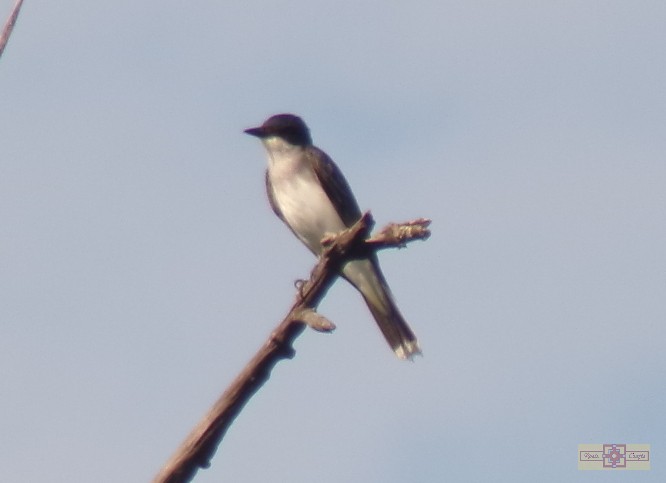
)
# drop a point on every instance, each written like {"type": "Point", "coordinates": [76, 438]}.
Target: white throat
{"type": "Point", "coordinates": [281, 153]}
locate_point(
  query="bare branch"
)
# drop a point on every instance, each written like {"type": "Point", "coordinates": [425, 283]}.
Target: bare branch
{"type": "Point", "coordinates": [7, 30]}
{"type": "Point", "coordinates": [200, 446]}
{"type": "Point", "coordinates": [393, 235]}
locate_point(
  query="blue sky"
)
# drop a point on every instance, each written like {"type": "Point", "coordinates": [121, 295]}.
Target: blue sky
{"type": "Point", "coordinates": [141, 267]}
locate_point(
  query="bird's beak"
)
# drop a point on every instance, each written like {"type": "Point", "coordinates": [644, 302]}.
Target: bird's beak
{"type": "Point", "coordinates": [256, 131]}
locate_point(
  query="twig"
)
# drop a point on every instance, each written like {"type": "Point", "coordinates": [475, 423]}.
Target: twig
{"type": "Point", "coordinates": [200, 446]}
{"type": "Point", "coordinates": [9, 25]}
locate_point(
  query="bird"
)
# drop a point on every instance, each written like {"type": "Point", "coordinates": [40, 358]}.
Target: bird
{"type": "Point", "coordinates": [309, 193]}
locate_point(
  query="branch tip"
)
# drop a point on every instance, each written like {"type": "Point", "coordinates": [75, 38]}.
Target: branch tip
{"type": "Point", "coordinates": [314, 320]}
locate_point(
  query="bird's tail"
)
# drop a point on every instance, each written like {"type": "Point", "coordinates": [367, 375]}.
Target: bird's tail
{"type": "Point", "coordinates": [395, 329]}
{"type": "Point", "coordinates": [367, 277]}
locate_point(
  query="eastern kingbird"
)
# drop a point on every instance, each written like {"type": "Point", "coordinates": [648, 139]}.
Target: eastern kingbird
{"type": "Point", "coordinates": [308, 192]}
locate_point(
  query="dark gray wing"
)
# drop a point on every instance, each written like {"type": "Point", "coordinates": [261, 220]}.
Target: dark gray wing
{"type": "Point", "coordinates": [335, 185]}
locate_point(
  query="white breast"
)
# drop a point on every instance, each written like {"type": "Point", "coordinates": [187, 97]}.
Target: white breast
{"type": "Point", "coordinates": [302, 201]}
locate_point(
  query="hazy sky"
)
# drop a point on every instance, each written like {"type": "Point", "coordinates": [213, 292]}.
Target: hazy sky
{"type": "Point", "coordinates": [141, 267]}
